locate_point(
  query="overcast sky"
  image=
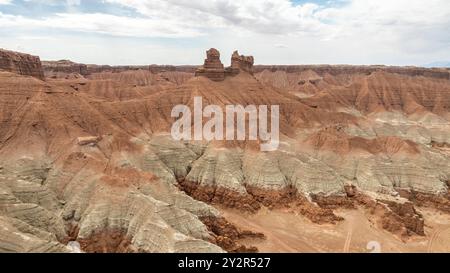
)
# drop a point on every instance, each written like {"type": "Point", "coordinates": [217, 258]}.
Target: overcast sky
{"type": "Point", "coordinates": [393, 32]}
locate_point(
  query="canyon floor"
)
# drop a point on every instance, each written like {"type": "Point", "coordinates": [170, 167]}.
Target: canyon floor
{"type": "Point", "coordinates": [288, 232]}
{"type": "Point", "coordinates": [88, 159]}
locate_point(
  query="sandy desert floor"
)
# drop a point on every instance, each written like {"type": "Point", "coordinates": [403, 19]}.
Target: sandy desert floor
{"type": "Point", "coordinates": [287, 231]}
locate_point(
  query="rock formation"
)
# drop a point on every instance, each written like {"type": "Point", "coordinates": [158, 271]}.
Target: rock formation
{"type": "Point", "coordinates": [171, 68]}
{"type": "Point", "coordinates": [439, 73]}
{"type": "Point", "coordinates": [65, 68]}
{"type": "Point", "coordinates": [23, 64]}
{"type": "Point", "coordinates": [53, 69]}
{"type": "Point", "coordinates": [241, 63]}
{"type": "Point", "coordinates": [214, 69]}
{"type": "Point", "coordinates": [88, 140]}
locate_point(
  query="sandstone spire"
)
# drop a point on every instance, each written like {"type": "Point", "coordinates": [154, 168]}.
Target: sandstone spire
{"type": "Point", "coordinates": [213, 67]}
{"type": "Point", "coordinates": [241, 63]}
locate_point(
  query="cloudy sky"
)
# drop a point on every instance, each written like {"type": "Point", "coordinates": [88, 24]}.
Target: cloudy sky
{"type": "Point", "coordinates": [397, 32]}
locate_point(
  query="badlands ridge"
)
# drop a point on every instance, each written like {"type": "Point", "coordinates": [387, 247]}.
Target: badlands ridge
{"type": "Point", "coordinates": [88, 160]}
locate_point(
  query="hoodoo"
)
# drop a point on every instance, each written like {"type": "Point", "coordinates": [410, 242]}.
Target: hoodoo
{"type": "Point", "coordinates": [214, 69]}
{"type": "Point", "coordinates": [241, 62]}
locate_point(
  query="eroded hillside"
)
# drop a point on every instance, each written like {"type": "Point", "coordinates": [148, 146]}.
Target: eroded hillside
{"type": "Point", "coordinates": [87, 156]}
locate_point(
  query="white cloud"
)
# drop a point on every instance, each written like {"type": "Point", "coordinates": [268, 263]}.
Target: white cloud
{"type": "Point", "coordinates": [73, 2]}
{"type": "Point", "coordinates": [410, 25]}
{"type": "Point", "coordinates": [5, 2]}
{"type": "Point", "coordinates": [186, 18]}
{"type": "Point", "coordinates": [281, 46]}
{"type": "Point", "coordinates": [347, 31]}
{"type": "Point", "coordinates": [284, 17]}
{"type": "Point", "coordinates": [269, 16]}
{"type": "Point", "coordinates": [55, 2]}
{"type": "Point", "coordinates": [102, 24]}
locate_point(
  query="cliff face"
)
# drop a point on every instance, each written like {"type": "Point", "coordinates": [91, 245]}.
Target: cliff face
{"type": "Point", "coordinates": [93, 68]}
{"type": "Point", "coordinates": [58, 69]}
{"type": "Point", "coordinates": [334, 70]}
{"type": "Point", "coordinates": [63, 66]}
{"type": "Point", "coordinates": [23, 64]}
{"type": "Point", "coordinates": [171, 68]}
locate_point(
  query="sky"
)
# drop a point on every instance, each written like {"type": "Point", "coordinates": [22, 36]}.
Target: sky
{"type": "Point", "coordinates": [141, 32]}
